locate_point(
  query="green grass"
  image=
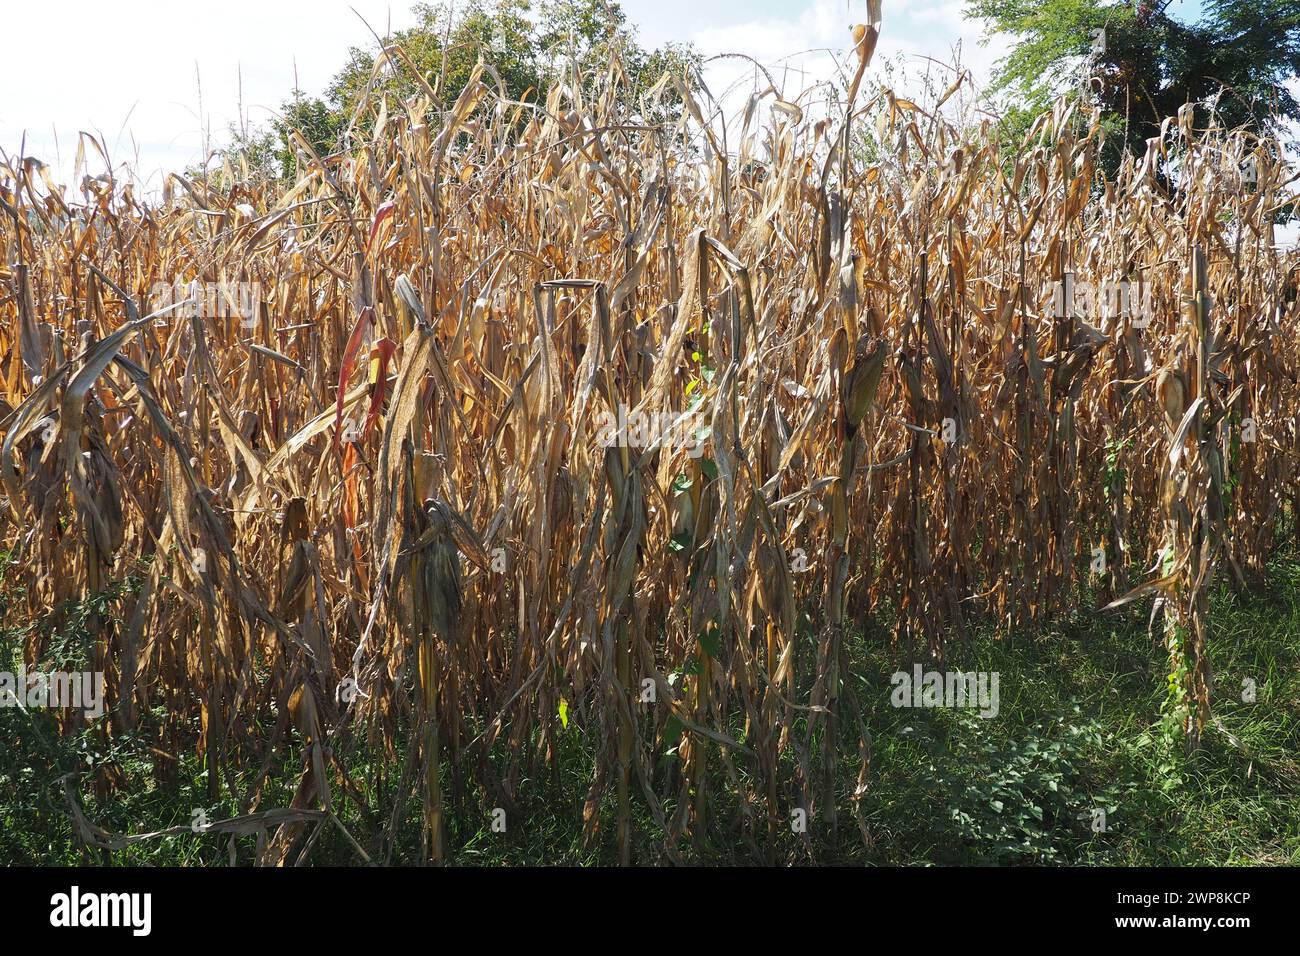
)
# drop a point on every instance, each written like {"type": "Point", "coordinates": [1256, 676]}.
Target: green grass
{"type": "Point", "coordinates": [1079, 727]}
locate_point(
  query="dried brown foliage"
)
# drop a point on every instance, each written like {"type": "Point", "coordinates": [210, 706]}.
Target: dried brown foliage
{"type": "Point", "coordinates": [392, 484]}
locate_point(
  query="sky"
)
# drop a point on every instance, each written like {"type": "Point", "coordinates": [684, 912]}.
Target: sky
{"type": "Point", "coordinates": [158, 81]}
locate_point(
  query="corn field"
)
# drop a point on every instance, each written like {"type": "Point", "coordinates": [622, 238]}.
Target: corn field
{"type": "Point", "coordinates": [404, 501]}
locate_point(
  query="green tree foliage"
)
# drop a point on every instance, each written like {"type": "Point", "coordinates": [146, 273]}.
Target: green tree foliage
{"type": "Point", "coordinates": [528, 44]}
{"type": "Point", "coordinates": [444, 46]}
{"type": "Point", "coordinates": [583, 33]}
{"type": "Point", "coordinates": [1238, 56]}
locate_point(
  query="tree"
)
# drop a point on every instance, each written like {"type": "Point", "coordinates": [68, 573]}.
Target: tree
{"type": "Point", "coordinates": [441, 51]}
{"type": "Point", "coordinates": [578, 27]}
{"type": "Point", "coordinates": [1145, 64]}
{"type": "Point", "coordinates": [444, 47]}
